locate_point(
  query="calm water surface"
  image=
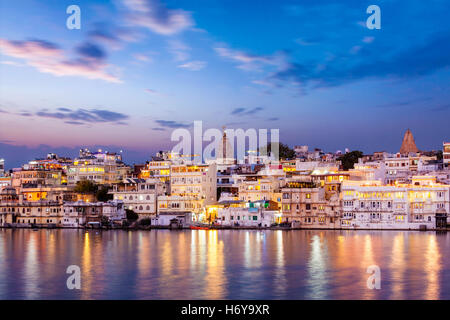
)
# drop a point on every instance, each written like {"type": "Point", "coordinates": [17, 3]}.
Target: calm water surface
{"type": "Point", "coordinates": [225, 264]}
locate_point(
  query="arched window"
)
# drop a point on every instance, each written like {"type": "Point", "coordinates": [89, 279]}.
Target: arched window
{"type": "Point", "coordinates": [141, 208]}
{"type": "Point", "coordinates": [147, 208]}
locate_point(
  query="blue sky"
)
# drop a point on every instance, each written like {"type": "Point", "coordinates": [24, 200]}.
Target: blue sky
{"type": "Point", "coordinates": [138, 69]}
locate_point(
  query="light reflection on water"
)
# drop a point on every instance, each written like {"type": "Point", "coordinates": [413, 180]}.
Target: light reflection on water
{"type": "Point", "coordinates": [227, 264]}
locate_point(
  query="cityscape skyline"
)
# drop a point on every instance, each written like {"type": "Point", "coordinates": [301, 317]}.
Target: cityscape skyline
{"type": "Point", "coordinates": [312, 69]}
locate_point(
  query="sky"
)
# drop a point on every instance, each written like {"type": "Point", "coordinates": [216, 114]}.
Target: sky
{"type": "Point", "coordinates": [138, 69]}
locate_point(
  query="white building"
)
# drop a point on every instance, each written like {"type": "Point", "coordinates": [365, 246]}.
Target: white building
{"type": "Point", "coordinates": [370, 205]}
{"type": "Point", "coordinates": [166, 219]}
{"type": "Point", "coordinates": [198, 181]}
{"type": "Point", "coordinates": [252, 214]}
{"type": "Point", "coordinates": [80, 214]}
{"type": "Point", "coordinates": [5, 182]}
{"type": "Point", "coordinates": [100, 167]}
{"type": "Point", "coordinates": [397, 170]}
{"type": "Point", "coordinates": [2, 167]}
{"type": "Point", "coordinates": [259, 188]}
{"type": "Point", "coordinates": [139, 195]}
{"type": "Point", "coordinates": [446, 153]}
{"type": "Point", "coordinates": [308, 166]}
{"type": "Point", "coordinates": [370, 171]}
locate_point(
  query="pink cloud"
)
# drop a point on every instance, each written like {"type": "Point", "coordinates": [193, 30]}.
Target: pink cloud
{"type": "Point", "coordinates": [193, 65]}
{"type": "Point", "coordinates": [251, 62]}
{"type": "Point", "coordinates": [151, 14]}
{"type": "Point", "coordinates": [48, 58]}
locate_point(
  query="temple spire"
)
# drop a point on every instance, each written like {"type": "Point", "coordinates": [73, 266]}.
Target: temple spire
{"type": "Point", "coordinates": [408, 144]}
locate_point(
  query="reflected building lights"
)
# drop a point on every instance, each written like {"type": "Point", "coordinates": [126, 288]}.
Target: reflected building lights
{"type": "Point", "coordinates": [366, 261]}
{"type": "Point", "coordinates": [317, 269]}
{"type": "Point", "coordinates": [280, 272]}
{"type": "Point", "coordinates": [86, 272]}
{"type": "Point", "coordinates": [398, 267]}
{"type": "Point", "coordinates": [31, 269]}
{"type": "Point", "coordinates": [432, 268]}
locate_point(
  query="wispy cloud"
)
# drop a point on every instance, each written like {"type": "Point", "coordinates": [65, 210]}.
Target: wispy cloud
{"type": "Point", "coordinates": [246, 111]}
{"type": "Point", "coordinates": [84, 116]}
{"type": "Point", "coordinates": [172, 124]}
{"type": "Point", "coordinates": [153, 15]}
{"type": "Point", "coordinates": [368, 39]}
{"type": "Point", "coordinates": [193, 65]}
{"type": "Point", "coordinates": [412, 62]}
{"type": "Point", "coordinates": [49, 58]}
{"type": "Point", "coordinates": [249, 62]}
{"type": "Point", "coordinates": [113, 37]}
{"type": "Point", "coordinates": [151, 91]}
{"type": "Point", "coordinates": [11, 63]}
{"type": "Point", "coordinates": [142, 57]}
{"type": "Point", "coordinates": [179, 50]}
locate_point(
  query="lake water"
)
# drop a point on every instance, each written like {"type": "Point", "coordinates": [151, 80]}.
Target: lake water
{"type": "Point", "coordinates": [224, 264]}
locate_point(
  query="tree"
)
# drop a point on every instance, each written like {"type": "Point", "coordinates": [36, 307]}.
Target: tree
{"type": "Point", "coordinates": [350, 158]}
{"type": "Point", "coordinates": [103, 195]}
{"type": "Point", "coordinates": [285, 152]}
{"type": "Point", "coordinates": [86, 187]}
{"type": "Point", "coordinates": [131, 215]}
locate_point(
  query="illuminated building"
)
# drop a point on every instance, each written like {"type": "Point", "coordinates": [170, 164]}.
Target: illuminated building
{"type": "Point", "coordinates": [247, 214]}
{"type": "Point", "coordinates": [371, 205]}
{"type": "Point", "coordinates": [139, 195]}
{"type": "Point", "coordinates": [307, 204]}
{"type": "Point", "coordinates": [100, 167]}
{"type": "Point", "coordinates": [197, 181]}
{"type": "Point", "coordinates": [178, 203]}
{"type": "Point", "coordinates": [32, 193]}
{"type": "Point", "coordinates": [19, 212]}
{"type": "Point", "coordinates": [399, 169]}
{"type": "Point", "coordinates": [5, 182]}
{"type": "Point", "coordinates": [308, 166]}
{"type": "Point", "coordinates": [82, 214]}
{"type": "Point", "coordinates": [2, 167]}
{"type": "Point", "coordinates": [36, 177]}
{"type": "Point", "coordinates": [446, 153]}
{"type": "Point", "coordinates": [158, 169]}
{"type": "Point", "coordinates": [368, 171]}
{"type": "Point", "coordinates": [255, 188]}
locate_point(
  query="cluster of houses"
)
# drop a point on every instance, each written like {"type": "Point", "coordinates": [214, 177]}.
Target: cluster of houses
{"type": "Point", "coordinates": [406, 190]}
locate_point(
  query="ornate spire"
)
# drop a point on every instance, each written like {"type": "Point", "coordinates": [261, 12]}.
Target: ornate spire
{"type": "Point", "coordinates": [408, 144]}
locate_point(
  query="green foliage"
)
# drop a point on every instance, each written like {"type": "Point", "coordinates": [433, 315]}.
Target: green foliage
{"type": "Point", "coordinates": [285, 153]}
{"type": "Point", "coordinates": [86, 187]}
{"type": "Point", "coordinates": [349, 159]}
{"type": "Point", "coordinates": [103, 195]}
{"type": "Point", "coordinates": [131, 215]}
{"type": "Point", "coordinates": [89, 187]}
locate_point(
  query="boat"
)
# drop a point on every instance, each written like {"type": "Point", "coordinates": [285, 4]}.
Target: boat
{"type": "Point", "coordinates": [200, 227]}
